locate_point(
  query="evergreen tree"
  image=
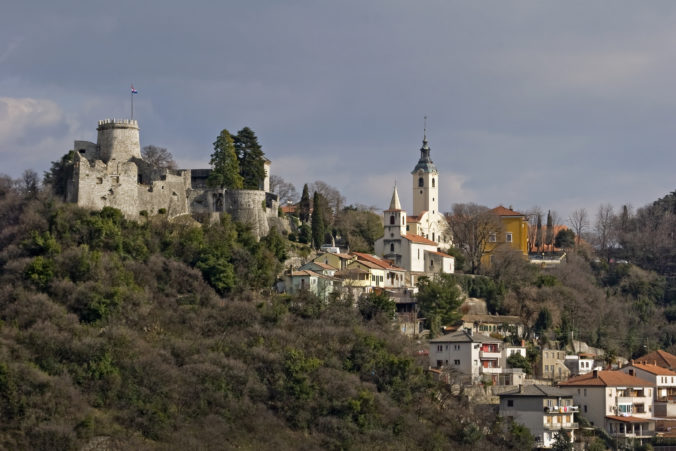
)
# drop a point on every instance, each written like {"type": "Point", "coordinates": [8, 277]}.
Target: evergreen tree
{"type": "Point", "coordinates": [549, 236]}
{"type": "Point", "coordinates": [317, 221]}
{"type": "Point", "coordinates": [304, 206]}
{"type": "Point", "coordinates": [538, 234]}
{"type": "Point", "coordinates": [58, 175]}
{"type": "Point", "coordinates": [225, 167]}
{"type": "Point", "coordinates": [251, 158]}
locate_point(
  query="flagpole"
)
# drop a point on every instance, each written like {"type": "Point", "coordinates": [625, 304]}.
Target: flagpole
{"type": "Point", "coordinates": [132, 103]}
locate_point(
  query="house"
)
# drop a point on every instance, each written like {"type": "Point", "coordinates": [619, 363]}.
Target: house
{"type": "Point", "coordinates": [317, 284]}
{"type": "Point", "coordinates": [579, 364]}
{"type": "Point", "coordinates": [337, 260]}
{"type": "Point", "coordinates": [502, 325]}
{"type": "Point", "coordinates": [320, 268]}
{"type": "Point", "coordinates": [617, 402]}
{"type": "Point", "coordinates": [543, 409]}
{"type": "Point", "coordinates": [512, 235]}
{"type": "Point", "coordinates": [395, 277]}
{"type": "Point", "coordinates": [665, 385]}
{"type": "Point", "coordinates": [659, 358]}
{"type": "Point", "coordinates": [552, 365]}
{"type": "Point", "coordinates": [414, 243]}
{"type": "Point", "coordinates": [477, 357]}
{"type": "Point", "coordinates": [410, 324]}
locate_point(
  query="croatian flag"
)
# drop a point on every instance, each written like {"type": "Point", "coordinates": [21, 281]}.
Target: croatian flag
{"type": "Point", "coordinates": [133, 91]}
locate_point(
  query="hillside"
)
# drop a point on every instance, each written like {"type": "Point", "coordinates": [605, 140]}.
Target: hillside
{"type": "Point", "coordinates": [163, 336]}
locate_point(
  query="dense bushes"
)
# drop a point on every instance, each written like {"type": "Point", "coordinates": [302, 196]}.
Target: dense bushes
{"type": "Point", "coordinates": [162, 335]}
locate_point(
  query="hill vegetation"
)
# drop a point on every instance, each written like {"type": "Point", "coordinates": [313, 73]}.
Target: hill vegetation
{"type": "Point", "coordinates": [160, 335]}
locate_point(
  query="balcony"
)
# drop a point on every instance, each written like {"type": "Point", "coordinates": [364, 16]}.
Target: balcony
{"type": "Point", "coordinates": [561, 426]}
{"type": "Point", "coordinates": [489, 355]}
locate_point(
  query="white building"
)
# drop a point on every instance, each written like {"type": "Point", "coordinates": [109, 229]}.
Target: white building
{"type": "Point", "coordinates": [478, 357]}
{"type": "Point", "coordinates": [543, 409]}
{"type": "Point", "coordinates": [665, 386]}
{"type": "Point", "coordinates": [414, 242]}
{"type": "Point", "coordinates": [619, 403]}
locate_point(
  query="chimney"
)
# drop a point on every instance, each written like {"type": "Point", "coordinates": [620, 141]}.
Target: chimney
{"type": "Point", "coordinates": [596, 374]}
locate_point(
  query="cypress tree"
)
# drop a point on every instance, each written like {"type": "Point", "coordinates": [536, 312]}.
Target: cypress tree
{"type": "Point", "coordinates": [304, 206]}
{"type": "Point", "coordinates": [549, 237]}
{"type": "Point", "coordinates": [251, 159]}
{"type": "Point", "coordinates": [317, 221]}
{"type": "Point", "coordinates": [225, 172]}
{"type": "Point", "coordinates": [538, 234]}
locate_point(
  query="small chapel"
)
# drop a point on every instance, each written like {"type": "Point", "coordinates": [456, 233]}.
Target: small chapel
{"type": "Point", "coordinates": [415, 242]}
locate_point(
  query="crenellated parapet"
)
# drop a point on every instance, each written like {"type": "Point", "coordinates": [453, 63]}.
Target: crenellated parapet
{"type": "Point", "coordinates": [118, 139]}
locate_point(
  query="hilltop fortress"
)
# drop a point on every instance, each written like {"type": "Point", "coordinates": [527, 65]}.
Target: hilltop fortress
{"type": "Point", "coordinates": [112, 173]}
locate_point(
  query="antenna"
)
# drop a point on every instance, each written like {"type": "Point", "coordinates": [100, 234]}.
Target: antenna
{"type": "Point", "coordinates": [425, 128]}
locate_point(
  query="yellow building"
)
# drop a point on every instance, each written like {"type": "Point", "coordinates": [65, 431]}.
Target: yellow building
{"type": "Point", "coordinates": [513, 234]}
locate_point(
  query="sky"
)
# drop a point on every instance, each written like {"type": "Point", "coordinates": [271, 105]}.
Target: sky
{"type": "Point", "coordinates": [561, 105]}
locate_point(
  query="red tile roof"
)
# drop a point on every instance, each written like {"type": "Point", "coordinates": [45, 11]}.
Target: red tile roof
{"type": "Point", "coordinates": [418, 239]}
{"type": "Point", "coordinates": [441, 254]}
{"type": "Point", "coordinates": [412, 218]}
{"type": "Point", "coordinates": [629, 419]}
{"type": "Point", "coordinates": [368, 264]}
{"type": "Point", "coordinates": [606, 379]}
{"type": "Point", "coordinates": [653, 369]}
{"type": "Point", "coordinates": [659, 358]}
{"type": "Point", "coordinates": [385, 264]}
{"type": "Point", "coordinates": [502, 211]}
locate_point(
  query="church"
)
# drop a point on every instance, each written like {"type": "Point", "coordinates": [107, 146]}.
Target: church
{"type": "Point", "coordinates": [415, 242]}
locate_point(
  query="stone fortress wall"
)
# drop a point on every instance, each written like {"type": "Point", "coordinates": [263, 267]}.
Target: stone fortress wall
{"type": "Point", "coordinates": [112, 173]}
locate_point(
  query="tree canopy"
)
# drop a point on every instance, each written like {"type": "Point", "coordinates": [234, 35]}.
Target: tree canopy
{"type": "Point", "coordinates": [251, 159]}
{"type": "Point", "coordinates": [225, 165]}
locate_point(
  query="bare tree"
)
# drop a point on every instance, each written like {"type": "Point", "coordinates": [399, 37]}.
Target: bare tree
{"type": "Point", "coordinates": [532, 215]}
{"type": "Point", "coordinates": [29, 183]}
{"type": "Point", "coordinates": [579, 221]}
{"type": "Point", "coordinates": [158, 156]}
{"type": "Point", "coordinates": [472, 226]}
{"type": "Point", "coordinates": [285, 190]}
{"type": "Point", "coordinates": [604, 227]}
{"type": "Point", "coordinates": [331, 194]}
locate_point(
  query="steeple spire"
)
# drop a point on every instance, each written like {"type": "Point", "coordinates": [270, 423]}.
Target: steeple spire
{"type": "Point", "coordinates": [394, 203]}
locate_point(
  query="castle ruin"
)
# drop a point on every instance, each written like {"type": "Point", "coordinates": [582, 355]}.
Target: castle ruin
{"type": "Point", "coordinates": [112, 173]}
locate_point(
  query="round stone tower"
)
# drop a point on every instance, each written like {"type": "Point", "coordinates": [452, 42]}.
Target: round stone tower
{"type": "Point", "coordinates": [118, 139]}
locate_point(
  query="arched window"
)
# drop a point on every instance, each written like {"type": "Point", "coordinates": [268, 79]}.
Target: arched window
{"type": "Point", "coordinates": [421, 182]}
{"type": "Point", "coordinates": [392, 219]}
{"type": "Point", "coordinates": [432, 236]}
{"type": "Point", "coordinates": [391, 247]}
{"type": "Point", "coordinates": [432, 183]}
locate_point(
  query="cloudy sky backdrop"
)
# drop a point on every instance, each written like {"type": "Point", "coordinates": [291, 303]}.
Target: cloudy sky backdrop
{"type": "Point", "coordinates": [557, 104]}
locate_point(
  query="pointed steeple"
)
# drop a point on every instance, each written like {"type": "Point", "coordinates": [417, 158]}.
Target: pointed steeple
{"type": "Point", "coordinates": [425, 162]}
{"type": "Point", "coordinates": [394, 203]}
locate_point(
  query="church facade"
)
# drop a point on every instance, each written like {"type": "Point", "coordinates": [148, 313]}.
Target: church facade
{"type": "Point", "coordinates": [415, 242]}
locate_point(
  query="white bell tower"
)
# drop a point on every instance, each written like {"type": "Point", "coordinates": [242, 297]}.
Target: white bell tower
{"type": "Point", "coordinates": [425, 183]}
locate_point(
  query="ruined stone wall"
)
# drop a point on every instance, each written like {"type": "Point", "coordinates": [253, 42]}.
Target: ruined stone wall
{"type": "Point", "coordinates": [168, 193]}
{"type": "Point", "coordinates": [97, 184]}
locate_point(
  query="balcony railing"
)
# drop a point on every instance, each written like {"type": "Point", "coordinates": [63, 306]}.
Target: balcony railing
{"type": "Point", "coordinates": [490, 355]}
{"type": "Point", "coordinates": [559, 426]}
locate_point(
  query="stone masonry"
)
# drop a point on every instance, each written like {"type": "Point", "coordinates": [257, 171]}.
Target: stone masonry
{"type": "Point", "coordinates": [112, 173]}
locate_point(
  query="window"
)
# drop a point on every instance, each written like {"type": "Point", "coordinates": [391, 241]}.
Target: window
{"type": "Point", "coordinates": [585, 408]}
{"type": "Point", "coordinates": [510, 403]}
{"type": "Point", "coordinates": [585, 392]}
{"type": "Point", "coordinates": [392, 219]}
{"type": "Point", "coordinates": [421, 182]}
{"type": "Point", "coordinates": [391, 247]}
{"type": "Point", "coordinates": [456, 347]}
{"type": "Point", "coordinates": [440, 348]}
{"type": "Point", "coordinates": [508, 237]}
{"type": "Point", "coordinates": [492, 238]}
{"type": "Point", "coordinates": [456, 362]}
{"type": "Point", "coordinates": [433, 183]}
{"type": "Point", "coordinates": [624, 408]}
